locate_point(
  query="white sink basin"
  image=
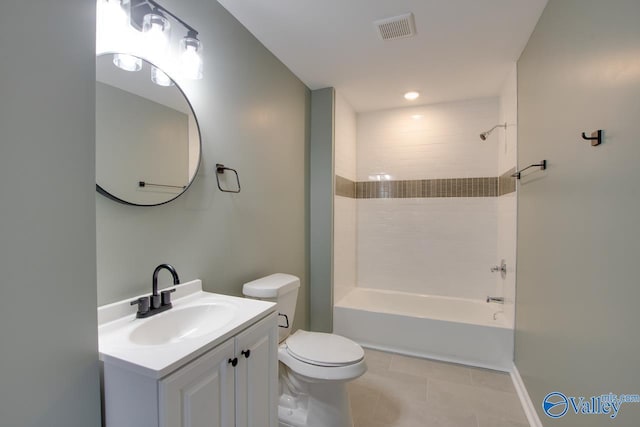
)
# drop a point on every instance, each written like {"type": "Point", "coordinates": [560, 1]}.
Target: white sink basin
{"type": "Point", "coordinates": [180, 324]}
{"type": "Point", "coordinates": [157, 345]}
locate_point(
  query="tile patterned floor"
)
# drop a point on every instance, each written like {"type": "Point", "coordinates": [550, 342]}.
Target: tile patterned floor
{"type": "Point", "coordinates": [401, 391]}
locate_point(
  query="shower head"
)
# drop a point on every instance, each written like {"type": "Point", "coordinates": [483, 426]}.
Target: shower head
{"type": "Point", "coordinates": [484, 135]}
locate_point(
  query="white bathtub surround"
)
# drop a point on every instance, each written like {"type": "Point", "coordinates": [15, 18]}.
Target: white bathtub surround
{"type": "Point", "coordinates": [443, 143]}
{"type": "Point", "coordinates": [345, 138]}
{"type": "Point", "coordinates": [344, 233]}
{"type": "Point", "coordinates": [449, 329]}
{"type": "Point", "coordinates": [423, 263]}
{"type": "Point", "coordinates": [507, 226]}
{"type": "Point", "coordinates": [434, 246]}
{"type": "Point", "coordinates": [344, 246]}
{"type": "Point", "coordinates": [508, 203]}
{"type": "Point", "coordinates": [508, 140]}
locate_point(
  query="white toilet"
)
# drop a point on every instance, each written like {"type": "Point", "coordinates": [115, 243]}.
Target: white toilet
{"type": "Point", "coordinates": [314, 367]}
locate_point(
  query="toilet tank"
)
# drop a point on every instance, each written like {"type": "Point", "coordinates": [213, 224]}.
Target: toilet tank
{"type": "Point", "coordinates": [279, 288]}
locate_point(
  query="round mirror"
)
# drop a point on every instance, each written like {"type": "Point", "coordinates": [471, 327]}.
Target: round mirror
{"type": "Point", "coordinates": [147, 135]}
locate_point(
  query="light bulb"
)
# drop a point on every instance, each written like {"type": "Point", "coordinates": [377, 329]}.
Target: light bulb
{"type": "Point", "coordinates": [160, 78]}
{"type": "Point", "coordinates": [156, 30]}
{"type": "Point", "coordinates": [114, 13]}
{"type": "Point", "coordinates": [191, 58]}
{"type": "Point", "coordinates": [127, 62]}
{"type": "Point", "coordinates": [112, 24]}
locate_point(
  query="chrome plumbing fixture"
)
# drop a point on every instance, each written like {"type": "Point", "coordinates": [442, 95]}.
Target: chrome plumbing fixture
{"type": "Point", "coordinates": [502, 268]}
{"type": "Point", "coordinates": [484, 135]}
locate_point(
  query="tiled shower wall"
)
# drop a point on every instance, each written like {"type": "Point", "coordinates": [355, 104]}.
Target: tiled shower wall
{"type": "Point", "coordinates": [507, 203]}
{"type": "Point", "coordinates": [344, 220]}
{"type": "Point", "coordinates": [429, 243]}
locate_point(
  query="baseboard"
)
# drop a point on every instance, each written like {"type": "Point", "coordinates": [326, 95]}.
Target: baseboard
{"type": "Point", "coordinates": [423, 355]}
{"type": "Point", "coordinates": [525, 399]}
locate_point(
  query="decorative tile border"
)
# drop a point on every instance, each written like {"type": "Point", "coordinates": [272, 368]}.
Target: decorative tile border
{"type": "Point", "coordinates": [506, 183]}
{"type": "Point", "coordinates": [345, 187]}
{"type": "Point", "coordinates": [426, 188]}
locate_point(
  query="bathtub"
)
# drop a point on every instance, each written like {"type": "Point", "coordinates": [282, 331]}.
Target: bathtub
{"type": "Point", "coordinates": [455, 330]}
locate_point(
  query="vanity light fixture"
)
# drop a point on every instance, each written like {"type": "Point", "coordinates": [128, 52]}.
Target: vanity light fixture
{"type": "Point", "coordinates": [156, 30]}
{"type": "Point", "coordinates": [154, 24]}
{"type": "Point", "coordinates": [113, 22]}
{"type": "Point", "coordinates": [412, 95]}
{"type": "Point", "coordinates": [191, 56]}
{"type": "Point", "coordinates": [114, 13]}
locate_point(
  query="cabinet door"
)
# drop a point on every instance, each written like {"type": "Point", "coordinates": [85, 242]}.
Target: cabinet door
{"type": "Point", "coordinates": [257, 375]}
{"type": "Point", "coordinates": [200, 394]}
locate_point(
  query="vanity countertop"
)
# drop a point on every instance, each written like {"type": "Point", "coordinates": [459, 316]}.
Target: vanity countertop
{"type": "Point", "coordinates": [160, 344]}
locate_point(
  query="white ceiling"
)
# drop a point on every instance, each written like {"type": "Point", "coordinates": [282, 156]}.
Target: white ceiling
{"type": "Point", "coordinates": [463, 48]}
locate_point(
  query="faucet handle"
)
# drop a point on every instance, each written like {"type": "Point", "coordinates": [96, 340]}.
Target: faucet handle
{"type": "Point", "coordinates": [166, 296]}
{"type": "Point", "coordinates": [502, 268]}
{"type": "Point", "coordinates": [155, 301]}
{"type": "Point", "coordinates": [143, 304]}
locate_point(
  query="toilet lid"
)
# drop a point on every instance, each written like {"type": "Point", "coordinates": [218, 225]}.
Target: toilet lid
{"type": "Point", "coordinates": [323, 349]}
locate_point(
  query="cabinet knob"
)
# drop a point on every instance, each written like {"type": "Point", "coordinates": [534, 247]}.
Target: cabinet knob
{"type": "Point", "coordinates": [246, 353]}
{"type": "Point", "coordinates": [233, 361]}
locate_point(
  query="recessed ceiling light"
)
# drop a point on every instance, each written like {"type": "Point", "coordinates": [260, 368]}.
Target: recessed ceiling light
{"type": "Point", "coordinates": [417, 116]}
{"type": "Point", "coordinates": [411, 96]}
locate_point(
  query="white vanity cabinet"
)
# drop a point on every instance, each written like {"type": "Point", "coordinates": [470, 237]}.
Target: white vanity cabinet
{"type": "Point", "coordinates": [201, 393]}
{"type": "Point", "coordinates": [256, 375]}
{"type": "Point", "coordinates": [225, 377]}
{"type": "Point", "coordinates": [212, 392]}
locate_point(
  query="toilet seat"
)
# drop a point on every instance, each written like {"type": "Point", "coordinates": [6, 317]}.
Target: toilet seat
{"type": "Point", "coordinates": [316, 363]}
{"type": "Point", "coordinates": [323, 349]}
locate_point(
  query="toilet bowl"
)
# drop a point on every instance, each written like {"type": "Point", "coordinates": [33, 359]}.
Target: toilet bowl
{"type": "Point", "coordinates": [314, 367]}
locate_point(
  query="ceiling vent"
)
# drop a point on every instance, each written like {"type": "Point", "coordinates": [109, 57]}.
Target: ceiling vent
{"type": "Point", "coordinates": [396, 27]}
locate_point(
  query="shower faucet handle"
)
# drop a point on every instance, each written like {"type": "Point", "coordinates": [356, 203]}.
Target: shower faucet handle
{"type": "Point", "coordinates": [502, 268]}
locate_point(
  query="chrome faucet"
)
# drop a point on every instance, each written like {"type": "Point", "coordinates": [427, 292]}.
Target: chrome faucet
{"type": "Point", "coordinates": [499, 300]}
{"type": "Point", "coordinates": [156, 303]}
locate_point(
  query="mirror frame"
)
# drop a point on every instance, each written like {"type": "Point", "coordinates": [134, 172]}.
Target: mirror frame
{"type": "Point", "coordinates": [108, 195]}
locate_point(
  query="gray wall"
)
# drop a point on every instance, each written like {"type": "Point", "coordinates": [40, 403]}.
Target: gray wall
{"type": "Point", "coordinates": [321, 209]}
{"type": "Point", "coordinates": [578, 290]}
{"type": "Point", "coordinates": [48, 330]}
{"type": "Point", "coordinates": [253, 114]}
